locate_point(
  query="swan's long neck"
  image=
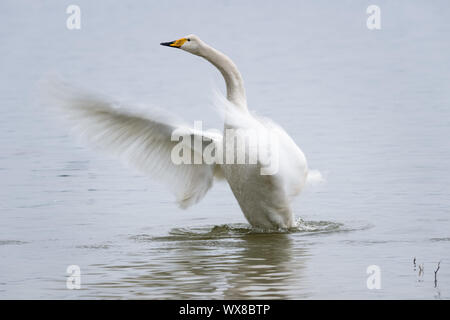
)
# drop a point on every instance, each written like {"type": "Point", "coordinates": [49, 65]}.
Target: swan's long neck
{"type": "Point", "coordinates": [231, 74]}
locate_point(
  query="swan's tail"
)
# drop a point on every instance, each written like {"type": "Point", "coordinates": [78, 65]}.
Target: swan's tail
{"type": "Point", "coordinates": [314, 178]}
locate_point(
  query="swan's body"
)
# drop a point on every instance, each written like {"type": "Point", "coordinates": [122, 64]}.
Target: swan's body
{"type": "Point", "coordinates": [145, 141]}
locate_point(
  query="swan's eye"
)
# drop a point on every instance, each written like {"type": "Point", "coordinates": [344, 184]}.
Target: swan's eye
{"type": "Point", "coordinates": [188, 39]}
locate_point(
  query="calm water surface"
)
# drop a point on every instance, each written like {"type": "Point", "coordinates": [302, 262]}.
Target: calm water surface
{"type": "Point", "coordinates": [370, 109]}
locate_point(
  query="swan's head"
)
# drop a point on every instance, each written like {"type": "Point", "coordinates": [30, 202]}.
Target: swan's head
{"type": "Point", "coordinates": [190, 43]}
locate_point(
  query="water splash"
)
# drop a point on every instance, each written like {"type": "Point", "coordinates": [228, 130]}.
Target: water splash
{"type": "Point", "coordinates": [238, 230]}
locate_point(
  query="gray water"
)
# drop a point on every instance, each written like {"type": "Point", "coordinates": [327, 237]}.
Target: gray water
{"type": "Point", "coordinates": [370, 109]}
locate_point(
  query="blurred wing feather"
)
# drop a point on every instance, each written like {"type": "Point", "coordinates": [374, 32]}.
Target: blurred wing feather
{"type": "Point", "coordinates": [141, 139]}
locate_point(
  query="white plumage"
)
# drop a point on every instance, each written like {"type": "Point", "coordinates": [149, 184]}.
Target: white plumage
{"type": "Point", "coordinates": [143, 139]}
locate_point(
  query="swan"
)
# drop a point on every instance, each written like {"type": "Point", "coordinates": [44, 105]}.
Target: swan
{"type": "Point", "coordinates": [143, 139]}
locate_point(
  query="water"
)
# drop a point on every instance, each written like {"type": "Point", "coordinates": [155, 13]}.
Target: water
{"type": "Point", "coordinates": [370, 109]}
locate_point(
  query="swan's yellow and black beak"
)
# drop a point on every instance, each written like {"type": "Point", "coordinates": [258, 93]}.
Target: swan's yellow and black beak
{"type": "Point", "coordinates": [176, 44]}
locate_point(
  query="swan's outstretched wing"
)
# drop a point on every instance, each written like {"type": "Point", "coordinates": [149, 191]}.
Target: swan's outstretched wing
{"type": "Point", "coordinates": [141, 139]}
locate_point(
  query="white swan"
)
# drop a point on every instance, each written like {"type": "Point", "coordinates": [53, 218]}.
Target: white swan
{"type": "Point", "coordinates": [144, 140]}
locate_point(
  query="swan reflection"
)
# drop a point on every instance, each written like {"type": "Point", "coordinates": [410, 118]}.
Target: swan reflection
{"type": "Point", "coordinates": [217, 264]}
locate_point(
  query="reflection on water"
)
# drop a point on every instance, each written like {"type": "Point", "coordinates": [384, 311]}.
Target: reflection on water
{"type": "Point", "coordinates": [228, 261]}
